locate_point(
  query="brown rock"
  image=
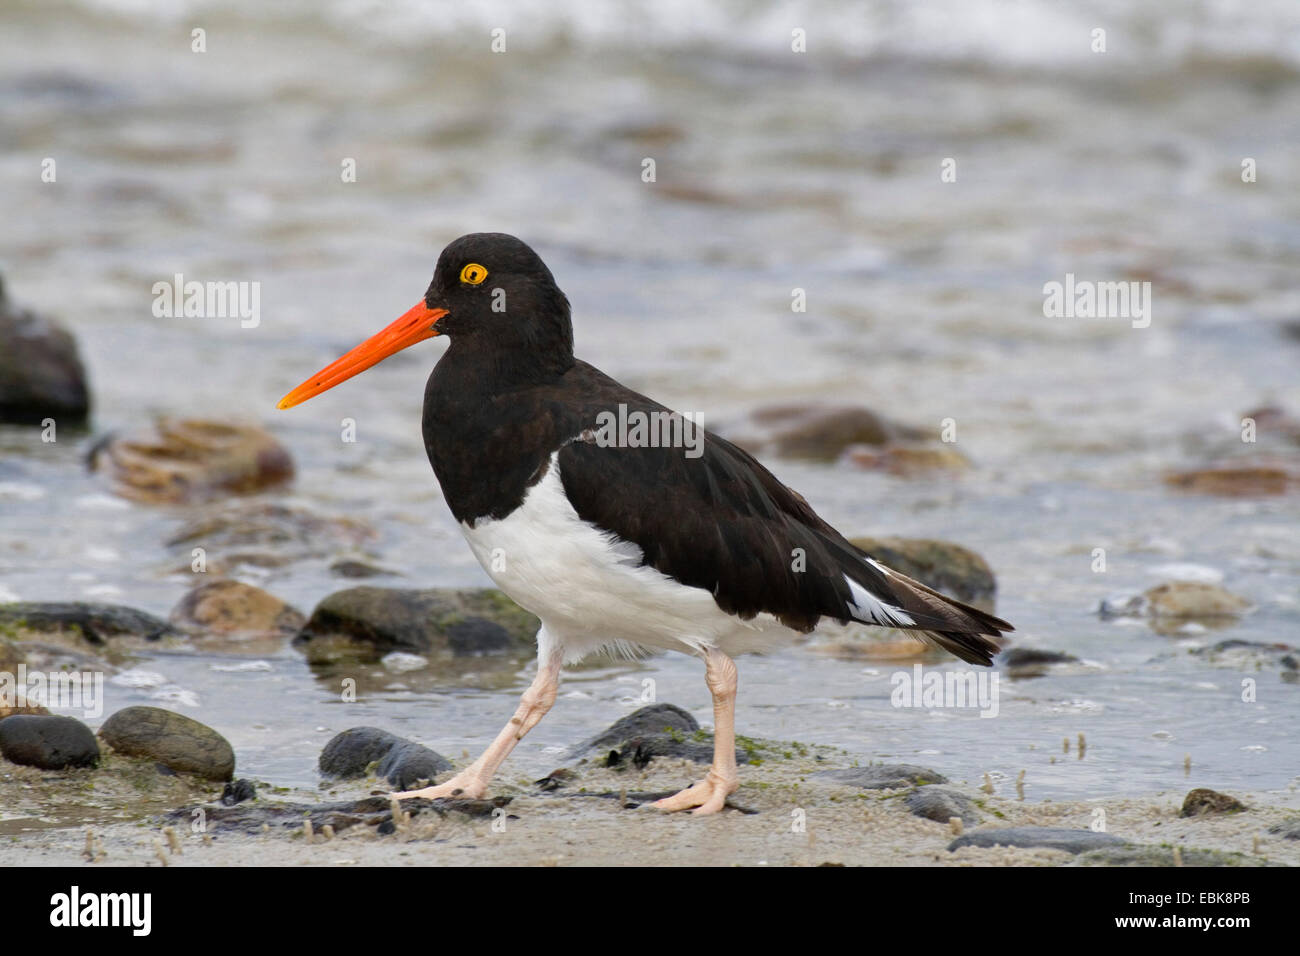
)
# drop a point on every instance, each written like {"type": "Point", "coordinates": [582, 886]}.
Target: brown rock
{"type": "Point", "coordinates": [185, 461]}
{"type": "Point", "coordinates": [1234, 481]}
{"type": "Point", "coordinates": [817, 432]}
{"type": "Point", "coordinates": [1202, 802]}
{"type": "Point", "coordinates": [226, 608]}
{"type": "Point", "coordinates": [909, 459]}
{"type": "Point", "coordinates": [1188, 600]}
{"type": "Point", "coordinates": [172, 739]}
{"type": "Point", "coordinates": [956, 571]}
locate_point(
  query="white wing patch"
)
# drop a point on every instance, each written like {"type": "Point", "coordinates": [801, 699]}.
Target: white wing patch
{"type": "Point", "coordinates": [869, 609]}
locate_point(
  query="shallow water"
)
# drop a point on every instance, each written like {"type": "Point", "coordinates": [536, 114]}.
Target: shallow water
{"type": "Point", "coordinates": [775, 171]}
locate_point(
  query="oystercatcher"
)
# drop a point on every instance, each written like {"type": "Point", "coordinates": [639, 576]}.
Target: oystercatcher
{"type": "Point", "coordinates": [613, 542]}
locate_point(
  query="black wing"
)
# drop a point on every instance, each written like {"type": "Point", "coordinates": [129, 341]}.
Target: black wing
{"type": "Point", "coordinates": [723, 522]}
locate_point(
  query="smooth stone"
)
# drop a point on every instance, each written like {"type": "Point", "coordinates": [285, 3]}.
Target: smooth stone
{"type": "Point", "coordinates": [1034, 656]}
{"type": "Point", "coordinates": [895, 776]}
{"type": "Point", "coordinates": [369, 622]}
{"type": "Point", "coordinates": [229, 608]}
{"type": "Point", "coordinates": [1056, 838]}
{"type": "Point", "coordinates": [403, 763]}
{"type": "Point", "coordinates": [956, 571]}
{"type": "Point", "coordinates": [1194, 600]}
{"type": "Point", "coordinates": [97, 623]}
{"type": "Point", "coordinates": [51, 743]}
{"type": "Point", "coordinates": [41, 375]}
{"type": "Point", "coordinates": [183, 461]}
{"type": "Point", "coordinates": [645, 722]}
{"type": "Point", "coordinates": [264, 535]}
{"type": "Point", "coordinates": [816, 432]}
{"type": "Point", "coordinates": [1205, 802]}
{"type": "Point", "coordinates": [174, 740]}
{"type": "Point", "coordinates": [939, 803]}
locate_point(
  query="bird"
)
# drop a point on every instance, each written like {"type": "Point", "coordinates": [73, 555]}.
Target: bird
{"type": "Point", "coordinates": [611, 540]}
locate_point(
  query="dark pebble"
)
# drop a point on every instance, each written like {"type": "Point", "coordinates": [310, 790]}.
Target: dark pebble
{"type": "Point", "coordinates": [402, 762]}
{"type": "Point", "coordinates": [48, 742]}
{"type": "Point", "coordinates": [237, 791]}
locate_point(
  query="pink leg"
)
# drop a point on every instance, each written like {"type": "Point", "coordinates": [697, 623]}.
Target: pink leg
{"type": "Point", "coordinates": [710, 794]}
{"type": "Point", "coordinates": [472, 782]}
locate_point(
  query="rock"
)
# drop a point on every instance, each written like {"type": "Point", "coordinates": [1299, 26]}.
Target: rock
{"type": "Point", "coordinates": [656, 730]}
{"type": "Point", "coordinates": [185, 461]}
{"type": "Point", "coordinates": [237, 791]}
{"type": "Point", "coordinates": [1025, 662]}
{"type": "Point", "coordinates": [1204, 802]}
{"type": "Point", "coordinates": [639, 751]}
{"type": "Point", "coordinates": [647, 721]}
{"type": "Point", "coordinates": [1289, 829]}
{"type": "Point", "coordinates": [956, 571]}
{"type": "Point", "coordinates": [368, 622]}
{"type": "Point", "coordinates": [41, 375]}
{"type": "Point", "coordinates": [1123, 604]}
{"type": "Point", "coordinates": [1056, 838]}
{"type": "Point", "coordinates": [908, 459]}
{"type": "Point", "coordinates": [172, 739]}
{"type": "Point", "coordinates": [51, 743]}
{"type": "Point", "coordinates": [895, 776]}
{"type": "Point", "coordinates": [370, 811]}
{"type": "Point", "coordinates": [1147, 855]}
{"type": "Point", "coordinates": [403, 763]}
{"type": "Point", "coordinates": [1187, 600]}
{"type": "Point", "coordinates": [354, 568]}
{"type": "Point", "coordinates": [97, 624]}
{"type": "Point", "coordinates": [263, 535]}
{"type": "Point", "coordinates": [234, 609]}
{"type": "Point", "coordinates": [1234, 480]}
{"type": "Point", "coordinates": [934, 802]}
{"type": "Point", "coordinates": [816, 432]}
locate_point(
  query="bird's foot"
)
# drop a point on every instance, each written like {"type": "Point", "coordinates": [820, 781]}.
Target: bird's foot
{"type": "Point", "coordinates": [707, 796]}
{"type": "Point", "coordinates": [463, 786]}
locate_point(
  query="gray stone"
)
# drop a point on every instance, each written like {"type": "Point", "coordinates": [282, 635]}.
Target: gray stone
{"type": "Point", "coordinates": [48, 742]}
{"type": "Point", "coordinates": [400, 761]}
{"type": "Point", "coordinates": [173, 740]}
{"type": "Point", "coordinates": [895, 776]}
{"type": "Point", "coordinates": [1056, 838]}
{"type": "Point", "coordinates": [941, 804]}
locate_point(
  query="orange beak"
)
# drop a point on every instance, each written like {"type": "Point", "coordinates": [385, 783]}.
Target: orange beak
{"type": "Point", "coordinates": [415, 326]}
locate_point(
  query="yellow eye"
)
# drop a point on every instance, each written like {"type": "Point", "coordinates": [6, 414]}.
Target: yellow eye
{"type": "Point", "coordinates": [473, 274]}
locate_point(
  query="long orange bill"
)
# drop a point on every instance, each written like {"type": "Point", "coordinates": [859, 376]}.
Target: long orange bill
{"type": "Point", "coordinates": [415, 326]}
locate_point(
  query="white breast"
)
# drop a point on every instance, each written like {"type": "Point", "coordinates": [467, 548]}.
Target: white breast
{"type": "Point", "coordinates": [590, 592]}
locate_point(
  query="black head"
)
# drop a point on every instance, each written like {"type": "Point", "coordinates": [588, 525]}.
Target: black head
{"type": "Point", "coordinates": [500, 296]}
{"type": "Point", "coordinates": [496, 300]}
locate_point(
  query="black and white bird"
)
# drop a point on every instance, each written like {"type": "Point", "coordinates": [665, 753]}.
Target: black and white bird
{"type": "Point", "coordinates": [695, 548]}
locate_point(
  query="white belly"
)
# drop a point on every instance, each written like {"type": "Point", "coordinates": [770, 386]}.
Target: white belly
{"type": "Point", "coordinates": [590, 592]}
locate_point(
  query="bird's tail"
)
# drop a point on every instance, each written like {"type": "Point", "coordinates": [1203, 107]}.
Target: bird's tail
{"type": "Point", "coordinates": [892, 599]}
